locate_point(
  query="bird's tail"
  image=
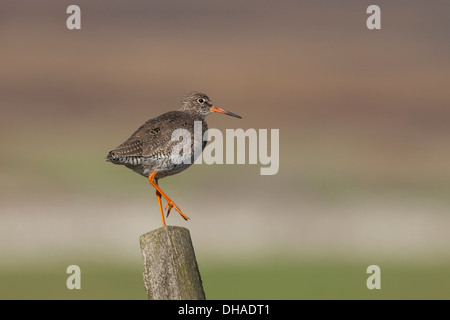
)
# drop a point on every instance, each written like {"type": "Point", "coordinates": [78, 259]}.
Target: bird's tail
{"type": "Point", "coordinates": [126, 160]}
{"type": "Point", "coordinates": [111, 157]}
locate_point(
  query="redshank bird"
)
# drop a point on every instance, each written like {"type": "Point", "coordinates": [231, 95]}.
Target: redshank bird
{"type": "Point", "coordinates": [149, 150]}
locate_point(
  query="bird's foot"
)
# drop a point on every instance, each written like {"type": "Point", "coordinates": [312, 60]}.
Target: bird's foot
{"type": "Point", "coordinates": [170, 204]}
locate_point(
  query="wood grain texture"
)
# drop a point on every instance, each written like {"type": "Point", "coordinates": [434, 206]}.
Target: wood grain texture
{"type": "Point", "coordinates": [170, 268]}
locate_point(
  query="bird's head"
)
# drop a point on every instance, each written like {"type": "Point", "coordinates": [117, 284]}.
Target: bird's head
{"type": "Point", "coordinates": [199, 103]}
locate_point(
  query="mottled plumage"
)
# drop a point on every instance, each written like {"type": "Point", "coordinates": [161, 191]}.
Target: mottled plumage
{"type": "Point", "coordinates": [149, 149]}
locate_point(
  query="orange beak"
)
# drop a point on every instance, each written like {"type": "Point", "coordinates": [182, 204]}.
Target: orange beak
{"type": "Point", "coordinates": [220, 110]}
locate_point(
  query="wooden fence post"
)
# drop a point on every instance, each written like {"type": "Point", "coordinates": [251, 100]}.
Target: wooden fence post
{"type": "Point", "coordinates": [170, 268]}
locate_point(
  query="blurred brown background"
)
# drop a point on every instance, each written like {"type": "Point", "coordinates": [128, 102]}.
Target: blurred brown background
{"type": "Point", "coordinates": [364, 122]}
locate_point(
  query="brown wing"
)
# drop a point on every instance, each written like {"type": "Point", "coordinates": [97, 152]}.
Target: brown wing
{"type": "Point", "coordinates": [153, 138]}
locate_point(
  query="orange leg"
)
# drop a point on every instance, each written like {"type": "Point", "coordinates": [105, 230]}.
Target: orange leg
{"type": "Point", "coordinates": [170, 203]}
{"type": "Point", "coordinates": [158, 196]}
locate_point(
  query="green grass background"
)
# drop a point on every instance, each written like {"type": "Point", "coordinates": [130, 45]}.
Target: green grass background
{"type": "Point", "coordinates": [280, 278]}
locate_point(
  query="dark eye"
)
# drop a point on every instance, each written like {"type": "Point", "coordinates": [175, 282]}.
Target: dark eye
{"type": "Point", "coordinates": [200, 100]}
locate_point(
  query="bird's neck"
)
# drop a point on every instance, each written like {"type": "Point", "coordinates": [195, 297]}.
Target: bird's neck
{"type": "Point", "coordinates": [197, 115]}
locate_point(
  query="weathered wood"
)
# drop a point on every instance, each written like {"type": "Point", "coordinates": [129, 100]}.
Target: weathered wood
{"type": "Point", "coordinates": [170, 268]}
